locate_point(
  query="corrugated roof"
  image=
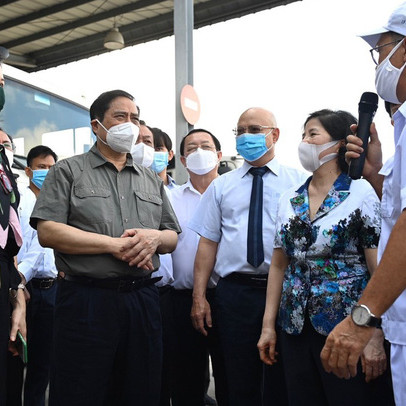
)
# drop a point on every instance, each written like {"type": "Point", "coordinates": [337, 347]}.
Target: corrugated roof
{"type": "Point", "coordinates": [41, 34]}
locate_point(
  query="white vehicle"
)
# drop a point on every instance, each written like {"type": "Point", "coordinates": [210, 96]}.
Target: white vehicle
{"type": "Point", "coordinates": [35, 115]}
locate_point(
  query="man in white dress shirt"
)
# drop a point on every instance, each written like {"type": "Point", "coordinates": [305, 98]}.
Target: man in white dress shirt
{"type": "Point", "coordinates": [200, 154]}
{"type": "Point", "coordinates": [385, 293]}
{"type": "Point", "coordinates": [37, 268]}
{"type": "Point", "coordinates": [222, 220]}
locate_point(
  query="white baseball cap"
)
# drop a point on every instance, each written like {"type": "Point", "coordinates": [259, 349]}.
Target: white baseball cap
{"type": "Point", "coordinates": [396, 23]}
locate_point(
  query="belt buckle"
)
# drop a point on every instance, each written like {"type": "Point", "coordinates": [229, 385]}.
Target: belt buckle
{"type": "Point", "coordinates": [126, 285]}
{"type": "Point", "coordinates": [46, 284]}
{"type": "Point", "coordinates": [259, 282]}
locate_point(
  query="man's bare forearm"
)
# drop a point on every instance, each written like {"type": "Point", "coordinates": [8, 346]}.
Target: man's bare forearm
{"type": "Point", "coordinates": [204, 265]}
{"type": "Point", "coordinates": [168, 239]}
{"type": "Point", "coordinates": [71, 240]}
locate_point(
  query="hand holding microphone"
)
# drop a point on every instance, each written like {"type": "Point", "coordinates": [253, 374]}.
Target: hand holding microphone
{"type": "Point", "coordinates": [366, 109]}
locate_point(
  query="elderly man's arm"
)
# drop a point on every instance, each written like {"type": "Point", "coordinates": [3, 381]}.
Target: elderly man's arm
{"type": "Point", "coordinates": [204, 264]}
{"type": "Point", "coordinates": [346, 342]}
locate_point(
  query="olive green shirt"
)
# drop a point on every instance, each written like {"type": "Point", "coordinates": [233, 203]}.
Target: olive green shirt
{"type": "Point", "coordinates": [88, 192]}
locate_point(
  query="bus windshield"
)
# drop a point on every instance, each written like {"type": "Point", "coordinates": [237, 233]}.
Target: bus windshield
{"type": "Point", "coordinates": [34, 116]}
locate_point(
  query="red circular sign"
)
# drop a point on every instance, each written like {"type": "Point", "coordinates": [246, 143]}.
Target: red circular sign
{"type": "Point", "coordinates": [189, 102]}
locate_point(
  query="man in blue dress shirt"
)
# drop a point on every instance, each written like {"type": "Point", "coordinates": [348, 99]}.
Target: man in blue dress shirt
{"type": "Point", "coordinates": [222, 221]}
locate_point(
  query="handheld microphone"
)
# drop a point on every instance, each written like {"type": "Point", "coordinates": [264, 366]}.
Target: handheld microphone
{"type": "Point", "coordinates": [366, 111]}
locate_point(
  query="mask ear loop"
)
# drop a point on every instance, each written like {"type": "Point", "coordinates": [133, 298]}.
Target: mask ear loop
{"type": "Point", "coordinates": [391, 53]}
{"type": "Point", "coordinates": [104, 142]}
{"type": "Point", "coordinates": [330, 156]}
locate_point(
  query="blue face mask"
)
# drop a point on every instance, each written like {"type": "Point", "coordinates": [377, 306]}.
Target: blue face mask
{"type": "Point", "coordinates": [160, 161]}
{"type": "Point", "coordinates": [252, 146]}
{"type": "Point", "coordinates": [38, 177]}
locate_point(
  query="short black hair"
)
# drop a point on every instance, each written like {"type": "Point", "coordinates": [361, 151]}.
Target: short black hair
{"type": "Point", "coordinates": [103, 102]}
{"type": "Point", "coordinates": [199, 130]}
{"type": "Point", "coordinates": [337, 124]}
{"type": "Point", "coordinates": [161, 138]}
{"type": "Point", "coordinates": [40, 151]}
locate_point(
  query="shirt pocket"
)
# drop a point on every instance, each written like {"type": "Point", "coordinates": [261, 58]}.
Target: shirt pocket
{"type": "Point", "coordinates": [149, 209]}
{"type": "Point", "coordinates": [92, 205]}
{"type": "Point", "coordinates": [271, 199]}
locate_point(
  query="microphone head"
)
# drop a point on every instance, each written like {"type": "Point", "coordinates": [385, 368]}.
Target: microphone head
{"type": "Point", "coordinates": [368, 103]}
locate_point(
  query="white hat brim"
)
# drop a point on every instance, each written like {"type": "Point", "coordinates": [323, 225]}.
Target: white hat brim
{"type": "Point", "coordinates": [373, 37]}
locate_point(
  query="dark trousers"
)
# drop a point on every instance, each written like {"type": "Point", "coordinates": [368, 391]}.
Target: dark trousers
{"type": "Point", "coordinates": [107, 347]}
{"type": "Point", "coordinates": [40, 315]}
{"type": "Point", "coordinates": [191, 353]}
{"type": "Point", "coordinates": [309, 384]}
{"type": "Point", "coordinates": [15, 380]}
{"type": "Point", "coordinates": [165, 303]}
{"type": "Point", "coordinates": [5, 280]}
{"type": "Point", "coordinates": [240, 309]}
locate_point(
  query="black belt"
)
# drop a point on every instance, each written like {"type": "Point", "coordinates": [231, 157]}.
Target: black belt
{"type": "Point", "coordinates": [45, 283]}
{"type": "Point", "coordinates": [249, 279]}
{"type": "Point", "coordinates": [164, 289]}
{"type": "Point", "coordinates": [120, 285]}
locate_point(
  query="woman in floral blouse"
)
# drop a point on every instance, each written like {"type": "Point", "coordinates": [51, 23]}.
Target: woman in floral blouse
{"type": "Point", "coordinates": [324, 253]}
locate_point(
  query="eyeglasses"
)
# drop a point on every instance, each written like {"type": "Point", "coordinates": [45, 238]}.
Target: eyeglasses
{"type": "Point", "coordinates": [375, 51]}
{"type": "Point", "coordinates": [9, 145]}
{"type": "Point", "coordinates": [251, 129]}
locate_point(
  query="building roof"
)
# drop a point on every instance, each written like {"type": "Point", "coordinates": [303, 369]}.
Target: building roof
{"type": "Point", "coordinates": [42, 34]}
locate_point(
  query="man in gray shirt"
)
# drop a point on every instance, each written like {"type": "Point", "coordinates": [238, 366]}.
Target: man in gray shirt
{"type": "Point", "coordinates": [107, 220]}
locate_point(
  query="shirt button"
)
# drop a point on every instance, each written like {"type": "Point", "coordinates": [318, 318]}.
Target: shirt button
{"type": "Point", "coordinates": [125, 220]}
{"type": "Point", "coordinates": [122, 197]}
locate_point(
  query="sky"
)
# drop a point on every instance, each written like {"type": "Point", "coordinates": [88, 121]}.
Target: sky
{"type": "Point", "coordinates": [292, 60]}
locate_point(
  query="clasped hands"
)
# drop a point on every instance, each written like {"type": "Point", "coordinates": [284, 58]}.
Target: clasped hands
{"type": "Point", "coordinates": [136, 246]}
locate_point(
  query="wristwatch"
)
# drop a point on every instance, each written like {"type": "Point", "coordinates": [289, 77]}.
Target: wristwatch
{"type": "Point", "coordinates": [363, 317]}
{"type": "Point", "coordinates": [13, 292]}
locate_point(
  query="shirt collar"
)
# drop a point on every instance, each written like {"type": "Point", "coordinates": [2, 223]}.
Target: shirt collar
{"type": "Point", "coordinates": [342, 183]}
{"type": "Point", "coordinates": [273, 165]}
{"type": "Point", "coordinates": [337, 194]}
{"type": "Point", "coordinates": [399, 119]}
{"type": "Point", "coordinates": [171, 181]}
{"type": "Point", "coordinates": [188, 185]}
{"type": "Point", "coordinates": [97, 159]}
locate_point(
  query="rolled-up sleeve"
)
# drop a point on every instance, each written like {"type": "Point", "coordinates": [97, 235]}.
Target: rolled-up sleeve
{"type": "Point", "coordinates": [207, 220]}
{"type": "Point", "coordinates": [54, 200]}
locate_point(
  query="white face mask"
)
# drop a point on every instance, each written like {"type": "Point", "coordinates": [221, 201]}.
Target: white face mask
{"type": "Point", "coordinates": [201, 161]}
{"type": "Point", "coordinates": [10, 156]}
{"type": "Point", "coordinates": [309, 155]}
{"type": "Point", "coordinates": [120, 137]}
{"type": "Point", "coordinates": [142, 154]}
{"type": "Point", "coordinates": [387, 78]}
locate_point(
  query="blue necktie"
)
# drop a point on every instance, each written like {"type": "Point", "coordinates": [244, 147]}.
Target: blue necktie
{"type": "Point", "coordinates": [255, 247]}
